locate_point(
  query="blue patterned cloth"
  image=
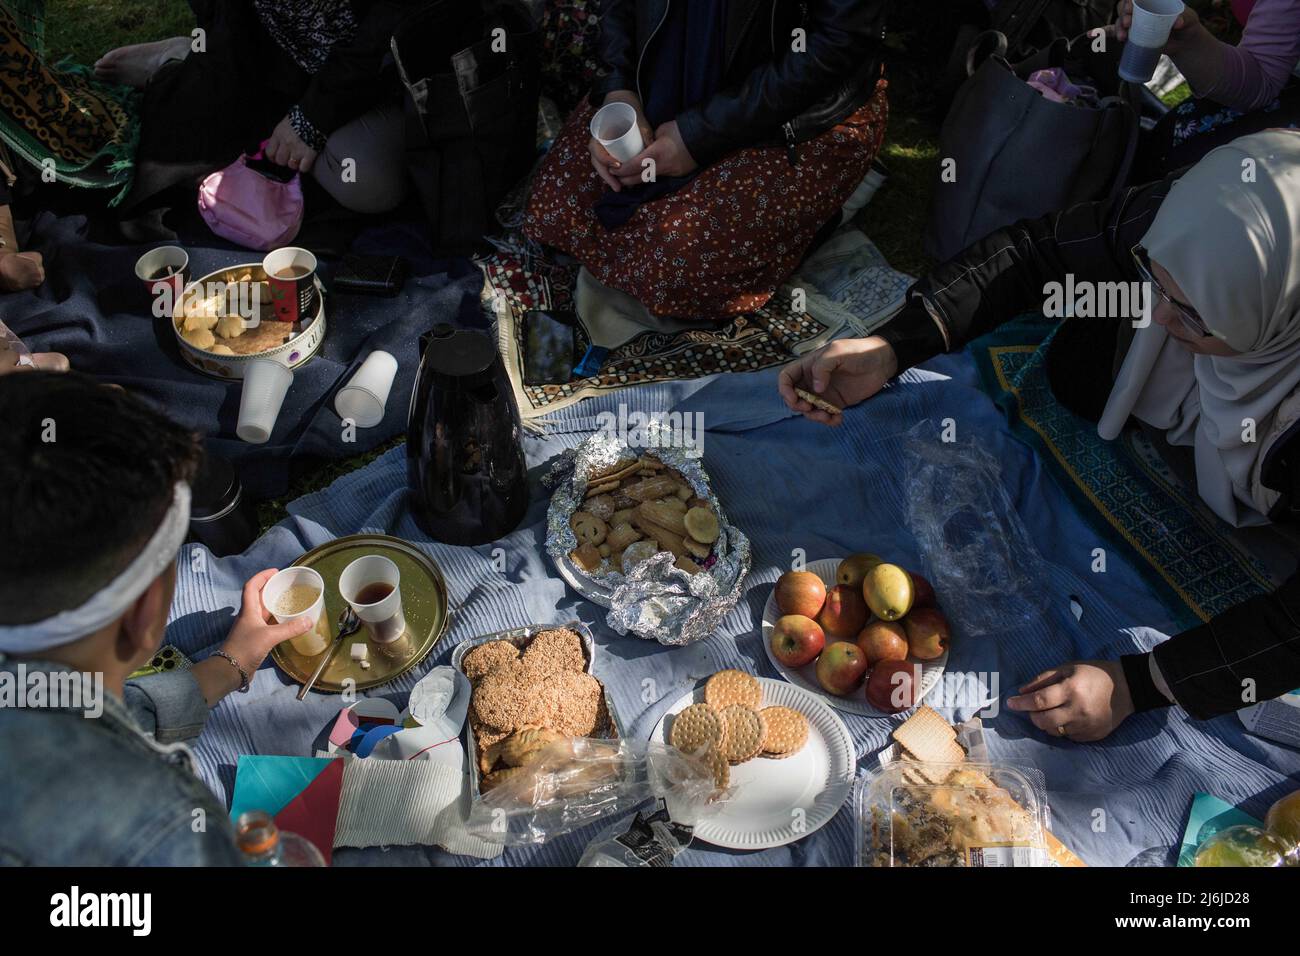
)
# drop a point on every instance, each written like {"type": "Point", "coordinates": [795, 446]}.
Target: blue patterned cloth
{"type": "Point", "coordinates": [789, 485]}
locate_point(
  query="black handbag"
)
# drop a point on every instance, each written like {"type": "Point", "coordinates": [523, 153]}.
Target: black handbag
{"type": "Point", "coordinates": [471, 71]}
{"type": "Point", "coordinates": [1008, 153]}
{"type": "Point", "coordinates": [1029, 27]}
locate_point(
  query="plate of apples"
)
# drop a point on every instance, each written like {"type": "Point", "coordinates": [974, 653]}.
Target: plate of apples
{"type": "Point", "coordinates": [865, 635]}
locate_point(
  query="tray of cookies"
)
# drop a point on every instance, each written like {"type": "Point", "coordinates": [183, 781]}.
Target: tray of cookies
{"type": "Point", "coordinates": [639, 531]}
{"type": "Point", "coordinates": [530, 686]}
{"type": "Point", "coordinates": [214, 325]}
{"type": "Point", "coordinates": [783, 756]}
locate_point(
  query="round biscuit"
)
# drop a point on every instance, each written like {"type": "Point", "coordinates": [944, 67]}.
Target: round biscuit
{"type": "Point", "coordinates": [718, 764]}
{"type": "Point", "coordinates": [744, 731]}
{"type": "Point", "coordinates": [786, 731]}
{"type": "Point", "coordinates": [697, 727]}
{"type": "Point", "coordinates": [733, 687]}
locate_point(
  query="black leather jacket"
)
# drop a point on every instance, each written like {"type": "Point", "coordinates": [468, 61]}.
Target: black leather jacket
{"type": "Point", "coordinates": [770, 94]}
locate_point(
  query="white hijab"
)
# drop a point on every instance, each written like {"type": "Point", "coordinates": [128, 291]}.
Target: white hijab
{"type": "Point", "coordinates": [1233, 247]}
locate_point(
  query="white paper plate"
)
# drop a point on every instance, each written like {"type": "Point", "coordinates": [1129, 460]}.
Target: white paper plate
{"type": "Point", "coordinates": [775, 802]}
{"type": "Point", "coordinates": [806, 676]}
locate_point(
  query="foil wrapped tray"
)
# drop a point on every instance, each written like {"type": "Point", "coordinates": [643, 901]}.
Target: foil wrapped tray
{"type": "Point", "coordinates": [655, 600]}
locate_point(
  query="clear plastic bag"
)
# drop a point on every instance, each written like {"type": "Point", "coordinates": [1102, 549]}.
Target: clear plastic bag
{"type": "Point", "coordinates": [578, 781]}
{"type": "Point", "coordinates": [977, 552]}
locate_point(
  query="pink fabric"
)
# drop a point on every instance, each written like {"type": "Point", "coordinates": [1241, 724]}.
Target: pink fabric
{"type": "Point", "coordinates": [1255, 70]}
{"type": "Point", "coordinates": [247, 208]}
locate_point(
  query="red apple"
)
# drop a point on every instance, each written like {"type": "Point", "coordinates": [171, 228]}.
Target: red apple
{"type": "Point", "coordinates": [927, 633]}
{"type": "Point", "coordinates": [841, 668]}
{"type": "Point", "coordinates": [923, 592]}
{"type": "Point", "coordinates": [844, 614]}
{"type": "Point", "coordinates": [796, 640]}
{"type": "Point", "coordinates": [892, 686]}
{"type": "Point", "coordinates": [800, 592]}
{"type": "Point", "coordinates": [883, 641]}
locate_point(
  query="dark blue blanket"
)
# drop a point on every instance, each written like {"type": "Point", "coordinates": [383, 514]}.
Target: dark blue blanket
{"type": "Point", "coordinates": [94, 310]}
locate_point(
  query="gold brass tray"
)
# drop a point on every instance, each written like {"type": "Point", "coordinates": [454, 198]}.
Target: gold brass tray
{"type": "Point", "coordinates": [424, 600]}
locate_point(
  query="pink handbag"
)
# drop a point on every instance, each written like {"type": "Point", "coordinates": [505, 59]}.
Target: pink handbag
{"type": "Point", "coordinates": [249, 208]}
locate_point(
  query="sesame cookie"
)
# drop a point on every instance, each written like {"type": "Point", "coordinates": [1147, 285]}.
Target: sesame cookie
{"type": "Point", "coordinates": [506, 698]}
{"type": "Point", "coordinates": [554, 651]}
{"type": "Point", "coordinates": [570, 703]}
{"type": "Point", "coordinates": [488, 657]}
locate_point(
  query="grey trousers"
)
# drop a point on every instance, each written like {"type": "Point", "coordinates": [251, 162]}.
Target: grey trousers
{"type": "Point", "coordinates": [363, 165]}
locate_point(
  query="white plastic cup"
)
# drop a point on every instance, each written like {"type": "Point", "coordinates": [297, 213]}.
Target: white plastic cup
{"type": "Point", "coordinates": [364, 397]}
{"type": "Point", "coordinates": [384, 618]}
{"type": "Point", "coordinates": [266, 382]}
{"type": "Point", "coordinates": [312, 642]}
{"type": "Point", "coordinates": [1153, 21]}
{"type": "Point", "coordinates": [615, 127]}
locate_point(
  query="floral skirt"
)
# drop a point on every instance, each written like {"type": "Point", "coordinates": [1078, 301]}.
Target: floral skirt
{"type": "Point", "coordinates": [723, 243]}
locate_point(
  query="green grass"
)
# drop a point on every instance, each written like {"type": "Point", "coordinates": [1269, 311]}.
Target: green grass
{"type": "Point", "coordinates": [86, 29]}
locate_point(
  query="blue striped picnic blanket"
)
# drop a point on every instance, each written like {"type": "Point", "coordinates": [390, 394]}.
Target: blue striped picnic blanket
{"type": "Point", "coordinates": [791, 486]}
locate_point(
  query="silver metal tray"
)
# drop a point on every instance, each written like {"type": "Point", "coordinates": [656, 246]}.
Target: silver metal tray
{"type": "Point", "coordinates": [520, 637]}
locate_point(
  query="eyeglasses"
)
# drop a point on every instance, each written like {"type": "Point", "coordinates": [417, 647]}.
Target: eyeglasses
{"type": "Point", "coordinates": [1186, 313]}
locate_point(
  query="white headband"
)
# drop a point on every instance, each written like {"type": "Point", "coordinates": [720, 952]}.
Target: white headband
{"type": "Point", "coordinates": [111, 601]}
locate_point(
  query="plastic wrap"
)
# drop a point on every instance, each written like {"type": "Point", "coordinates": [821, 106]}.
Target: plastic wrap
{"type": "Point", "coordinates": [580, 781]}
{"type": "Point", "coordinates": [977, 552]}
{"type": "Point", "coordinates": [913, 813]}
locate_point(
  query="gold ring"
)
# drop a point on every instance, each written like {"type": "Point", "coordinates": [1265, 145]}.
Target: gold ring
{"type": "Point", "coordinates": [1060, 730]}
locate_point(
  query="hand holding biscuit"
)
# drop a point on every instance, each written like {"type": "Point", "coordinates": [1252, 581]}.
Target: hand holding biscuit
{"type": "Point", "coordinates": [840, 374]}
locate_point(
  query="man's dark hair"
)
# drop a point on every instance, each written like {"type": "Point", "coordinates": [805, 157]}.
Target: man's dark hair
{"type": "Point", "coordinates": [86, 474]}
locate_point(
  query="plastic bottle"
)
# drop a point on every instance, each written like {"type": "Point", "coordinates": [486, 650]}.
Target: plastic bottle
{"type": "Point", "coordinates": [264, 844]}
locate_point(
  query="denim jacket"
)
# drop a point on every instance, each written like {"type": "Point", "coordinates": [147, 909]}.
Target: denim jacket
{"type": "Point", "coordinates": [117, 789]}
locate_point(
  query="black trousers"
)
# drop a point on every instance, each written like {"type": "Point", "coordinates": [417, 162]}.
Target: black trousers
{"type": "Point", "coordinates": [215, 104]}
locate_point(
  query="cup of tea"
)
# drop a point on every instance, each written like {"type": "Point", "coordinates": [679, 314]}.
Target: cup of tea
{"type": "Point", "coordinates": [291, 275]}
{"type": "Point", "coordinates": [299, 592]}
{"type": "Point", "coordinates": [372, 585]}
{"type": "Point", "coordinates": [165, 271]}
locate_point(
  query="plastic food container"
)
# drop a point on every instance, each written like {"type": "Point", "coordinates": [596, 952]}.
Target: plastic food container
{"type": "Point", "coordinates": [910, 813]}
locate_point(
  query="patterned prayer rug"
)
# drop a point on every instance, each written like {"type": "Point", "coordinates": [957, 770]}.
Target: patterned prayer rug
{"type": "Point", "coordinates": [59, 116]}
{"type": "Point", "coordinates": [1123, 488]}
{"type": "Point", "coordinates": [771, 336]}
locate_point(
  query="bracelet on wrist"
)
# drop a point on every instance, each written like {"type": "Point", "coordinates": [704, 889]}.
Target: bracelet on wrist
{"type": "Point", "coordinates": [243, 674]}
